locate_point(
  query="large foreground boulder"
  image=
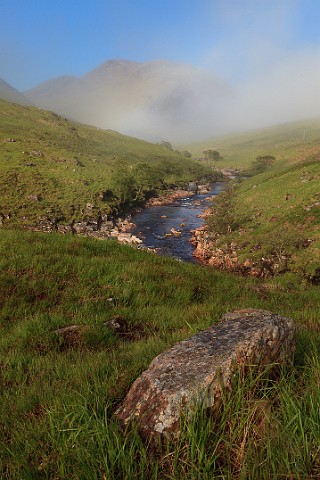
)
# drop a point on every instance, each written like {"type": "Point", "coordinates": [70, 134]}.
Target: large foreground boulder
{"type": "Point", "coordinates": [198, 369]}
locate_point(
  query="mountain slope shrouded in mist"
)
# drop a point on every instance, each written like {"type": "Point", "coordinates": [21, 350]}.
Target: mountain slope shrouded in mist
{"type": "Point", "coordinates": [154, 100]}
{"type": "Point", "coordinates": [10, 94]}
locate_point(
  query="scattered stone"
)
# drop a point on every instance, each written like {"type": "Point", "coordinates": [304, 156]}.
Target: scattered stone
{"type": "Point", "coordinates": [169, 198]}
{"type": "Point", "coordinates": [68, 329]}
{"type": "Point", "coordinates": [193, 187]}
{"type": "Point", "coordinates": [64, 229]}
{"type": "Point", "coordinates": [35, 153]}
{"type": "Point", "coordinates": [203, 189]}
{"type": "Point", "coordinates": [121, 327]}
{"type": "Point", "coordinates": [229, 172]}
{"type": "Point", "coordinates": [34, 198]}
{"type": "Point", "coordinates": [70, 336]}
{"type": "Point", "coordinates": [175, 232]}
{"type": "Point", "coordinates": [198, 369]}
{"type": "Point", "coordinates": [80, 228]}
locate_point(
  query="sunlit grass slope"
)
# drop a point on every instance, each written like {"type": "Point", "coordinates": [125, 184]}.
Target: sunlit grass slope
{"type": "Point", "coordinates": [284, 193]}
{"type": "Point", "coordinates": [289, 142]}
{"type": "Point", "coordinates": [58, 392]}
{"type": "Point", "coordinates": [53, 167]}
{"type": "Point", "coordinates": [277, 216]}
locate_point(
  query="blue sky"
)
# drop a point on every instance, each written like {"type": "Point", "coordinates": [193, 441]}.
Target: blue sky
{"type": "Point", "coordinates": [237, 39]}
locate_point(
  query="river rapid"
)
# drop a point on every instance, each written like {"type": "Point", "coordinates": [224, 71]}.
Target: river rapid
{"type": "Point", "coordinates": [154, 225]}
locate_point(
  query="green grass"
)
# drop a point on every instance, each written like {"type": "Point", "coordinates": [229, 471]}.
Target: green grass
{"type": "Point", "coordinates": [278, 217]}
{"type": "Point", "coordinates": [55, 167]}
{"type": "Point", "coordinates": [58, 393]}
{"type": "Point", "coordinates": [277, 212]}
{"type": "Point", "coordinates": [289, 143]}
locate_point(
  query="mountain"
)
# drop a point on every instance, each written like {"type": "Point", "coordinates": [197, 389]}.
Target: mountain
{"type": "Point", "coordinates": [155, 100]}
{"type": "Point", "coordinates": [10, 94]}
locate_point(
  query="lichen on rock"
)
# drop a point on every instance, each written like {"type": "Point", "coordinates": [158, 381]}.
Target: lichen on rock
{"type": "Point", "coordinates": [199, 368]}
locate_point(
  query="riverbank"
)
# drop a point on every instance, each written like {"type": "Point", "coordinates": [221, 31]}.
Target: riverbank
{"type": "Point", "coordinates": [224, 258]}
{"type": "Point", "coordinates": [105, 227]}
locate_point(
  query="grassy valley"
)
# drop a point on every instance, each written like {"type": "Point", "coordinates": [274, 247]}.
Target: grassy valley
{"type": "Point", "coordinates": [59, 388]}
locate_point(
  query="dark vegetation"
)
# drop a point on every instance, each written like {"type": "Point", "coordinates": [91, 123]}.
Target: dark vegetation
{"type": "Point", "coordinates": [213, 155]}
{"type": "Point", "coordinates": [261, 163]}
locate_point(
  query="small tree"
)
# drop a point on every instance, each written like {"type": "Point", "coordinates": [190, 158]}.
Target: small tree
{"type": "Point", "coordinates": [124, 185]}
{"type": "Point", "coordinates": [222, 213]}
{"type": "Point", "coordinates": [186, 154]}
{"type": "Point", "coordinates": [261, 164]}
{"type": "Point", "coordinates": [166, 145]}
{"type": "Point", "coordinates": [213, 155]}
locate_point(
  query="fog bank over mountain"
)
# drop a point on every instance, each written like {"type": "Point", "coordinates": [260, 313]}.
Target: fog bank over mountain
{"type": "Point", "coordinates": [154, 100]}
{"type": "Point", "coordinates": [227, 65]}
{"type": "Point", "coordinates": [180, 103]}
{"type": "Point", "coordinates": [288, 90]}
{"type": "Point", "coordinates": [270, 53]}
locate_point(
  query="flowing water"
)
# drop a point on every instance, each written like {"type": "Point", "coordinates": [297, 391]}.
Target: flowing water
{"type": "Point", "coordinates": [154, 224]}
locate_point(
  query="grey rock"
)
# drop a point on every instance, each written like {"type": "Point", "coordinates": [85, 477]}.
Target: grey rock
{"type": "Point", "coordinates": [68, 329]}
{"type": "Point", "coordinates": [64, 228]}
{"type": "Point", "coordinates": [198, 369]}
{"type": "Point", "coordinates": [35, 153]}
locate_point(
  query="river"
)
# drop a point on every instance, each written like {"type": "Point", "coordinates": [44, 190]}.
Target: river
{"type": "Point", "coordinates": [153, 225]}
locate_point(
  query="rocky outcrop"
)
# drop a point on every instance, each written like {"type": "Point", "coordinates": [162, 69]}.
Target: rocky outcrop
{"type": "Point", "coordinates": [230, 172]}
{"type": "Point", "coordinates": [198, 369]}
{"type": "Point", "coordinates": [226, 257]}
{"type": "Point", "coordinates": [168, 198]}
{"type": "Point", "coordinates": [101, 227]}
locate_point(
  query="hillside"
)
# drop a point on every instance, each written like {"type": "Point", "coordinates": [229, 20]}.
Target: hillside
{"type": "Point", "coordinates": [288, 142]}
{"type": "Point", "coordinates": [156, 100]}
{"type": "Point", "coordinates": [10, 94]}
{"type": "Point", "coordinates": [52, 168]}
{"type": "Point", "coordinates": [269, 224]}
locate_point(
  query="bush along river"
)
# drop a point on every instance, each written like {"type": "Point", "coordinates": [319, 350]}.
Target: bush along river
{"type": "Point", "coordinates": [166, 228]}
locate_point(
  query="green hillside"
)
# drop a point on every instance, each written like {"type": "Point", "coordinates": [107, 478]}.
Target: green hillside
{"type": "Point", "coordinates": [52, 168]}
{"type": "Point", "coordinates": [273, 216]}
{"type": "Point", "coordinates": [288, 142]}
{"type": "Point", "coordinates": [280, 211]}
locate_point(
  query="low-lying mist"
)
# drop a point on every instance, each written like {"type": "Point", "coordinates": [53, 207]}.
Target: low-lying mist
{"type": "Point", "coordinates": [182, 104]}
